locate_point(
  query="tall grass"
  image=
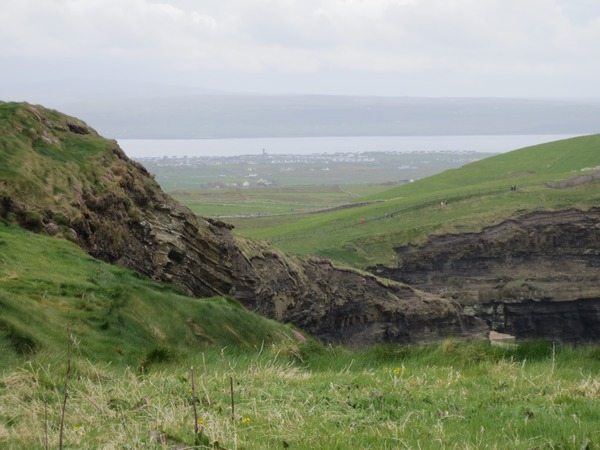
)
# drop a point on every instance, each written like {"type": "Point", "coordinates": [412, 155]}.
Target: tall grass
{"type": "Point", "coordinates": [303, 395]}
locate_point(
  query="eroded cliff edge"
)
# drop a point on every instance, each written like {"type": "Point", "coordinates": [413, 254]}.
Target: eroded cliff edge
{"type": "Point", "coordinates": [536, 276]}
{"type": "Point", "coordinates": [65, 180]}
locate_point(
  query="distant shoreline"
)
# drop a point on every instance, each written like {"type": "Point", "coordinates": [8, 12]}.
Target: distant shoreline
{"type": "Point", "coordinates": [139, 148]}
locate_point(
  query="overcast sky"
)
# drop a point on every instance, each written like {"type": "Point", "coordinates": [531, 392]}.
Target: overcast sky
{"type": "Point", "coordinates": [449, 48]}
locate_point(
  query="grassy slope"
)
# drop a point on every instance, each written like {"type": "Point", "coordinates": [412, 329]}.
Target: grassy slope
{"type": "Point", "coordinates": [49, 286]}
{"type": "Point", "coordinates": [26, 148]}
{"type": "Point", "coordinates": [529, 166]}
{"type": "Point", "coordinates": [453, 395]}
{"type": "Point", "coordinates": [478, 194]}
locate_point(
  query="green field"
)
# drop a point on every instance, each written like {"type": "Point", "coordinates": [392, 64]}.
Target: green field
{"type": "Point", "coordinates": [233, 204]}
{"type": "Point", "coordinates": [249, 186]}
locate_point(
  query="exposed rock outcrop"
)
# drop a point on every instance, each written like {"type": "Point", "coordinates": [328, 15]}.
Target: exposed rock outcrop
{"type": "Point", "coordinates": [338, 305]}
{"type": "Point", "coordinates": [67, 178]}
{"type": "Point", "coordinates": [575, 181]}
{"type": "Point", "coordinates": [535, 276]}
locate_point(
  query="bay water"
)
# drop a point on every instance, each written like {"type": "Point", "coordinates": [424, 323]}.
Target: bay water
{"type": "Point", "coordinates": [140, 148]}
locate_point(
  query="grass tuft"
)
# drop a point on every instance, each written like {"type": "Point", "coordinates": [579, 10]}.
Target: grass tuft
{"type": "Point", "coordinates": [157, 356]}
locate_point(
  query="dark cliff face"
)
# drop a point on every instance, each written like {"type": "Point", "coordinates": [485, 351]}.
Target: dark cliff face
{"type": "Point", "coordinates": [568, 321]}
{"type": "Point", "coordinates": [536, 276]}
{"type": "Point", "coordinates": [72, 183]}
{"type": "Point", "coordinates": [335, 304]}
{"type": "Point", "coordinates": [169, 243]}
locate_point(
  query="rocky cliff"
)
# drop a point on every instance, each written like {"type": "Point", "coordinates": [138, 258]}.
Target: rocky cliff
{"type": "Point", "coordinates": [57, 176]}
{"type": "Point", "coordinates": [535, 276]}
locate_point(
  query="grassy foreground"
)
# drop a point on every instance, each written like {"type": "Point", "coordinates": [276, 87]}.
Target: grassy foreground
{"type": "Point", "coordinates": [302, 395]}
{"type": "Point", "coordinates": [131, 344]}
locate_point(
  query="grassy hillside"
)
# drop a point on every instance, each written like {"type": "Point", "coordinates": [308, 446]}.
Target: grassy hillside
{"type": "Point", "coordinates": [528, 166]}
{"type": "Point", "coordinates": [50, 288]}
{"type": "Point", "coordinates": [27, 147]}
{"type": "Point", "coordinates": [57, 173]}
{"type": "Point", "coordinates": [478, 194]}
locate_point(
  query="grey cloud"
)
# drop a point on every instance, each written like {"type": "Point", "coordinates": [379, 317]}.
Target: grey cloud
{"type": "Point", "coordinates": [512, 44]}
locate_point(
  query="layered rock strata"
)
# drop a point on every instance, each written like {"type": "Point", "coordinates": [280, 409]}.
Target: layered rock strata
{"type": "Point", "coordinates": [537, 276]}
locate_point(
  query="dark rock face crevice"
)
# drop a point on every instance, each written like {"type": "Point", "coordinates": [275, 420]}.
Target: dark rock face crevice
{"type": "Point", "coordinates": [335, 304]}
{"type": "Point", "coordinates": [534, 276]}
{"type": "Point", "coordinates": [570, 321]}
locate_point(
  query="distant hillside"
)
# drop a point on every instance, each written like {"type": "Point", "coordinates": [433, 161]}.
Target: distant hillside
{"type": "Point", "coordinates": [531, 165]}
{"type": "Point", "coordinates": [229, 116]}
{"type": "Point", "coordinates": [478, 193]}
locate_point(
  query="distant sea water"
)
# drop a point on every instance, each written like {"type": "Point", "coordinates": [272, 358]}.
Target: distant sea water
{"type": "Point", "coordinates": [139, 148]}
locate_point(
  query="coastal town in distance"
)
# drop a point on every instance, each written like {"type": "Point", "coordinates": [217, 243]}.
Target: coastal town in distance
{"type": "Point", "coordinates": [265, 169]}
